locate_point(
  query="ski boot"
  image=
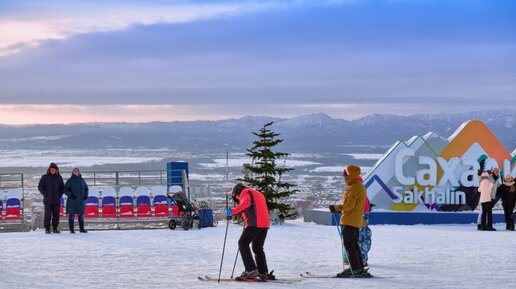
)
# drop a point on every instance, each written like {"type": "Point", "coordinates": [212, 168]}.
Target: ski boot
{"type": "Point", "coordinates": [267, 276]}
{"type": "Point", "coordinates": [360, 273]}
{"type": "Point", "coordinates": [246, 276]}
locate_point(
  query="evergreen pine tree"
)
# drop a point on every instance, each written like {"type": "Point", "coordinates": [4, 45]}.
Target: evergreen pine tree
{"type": "Point", "coordinates": [265, 174]}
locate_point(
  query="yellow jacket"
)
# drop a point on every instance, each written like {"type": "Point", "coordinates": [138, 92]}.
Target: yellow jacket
{"type": "Point", "coordinates": [353, 200]}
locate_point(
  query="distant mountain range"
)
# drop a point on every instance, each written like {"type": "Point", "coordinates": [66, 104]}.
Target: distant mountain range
{"type": "Point", "coordinates": [306, 133]}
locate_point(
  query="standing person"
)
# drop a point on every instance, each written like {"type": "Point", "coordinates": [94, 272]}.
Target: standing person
{"type": "Point", "coordinates": [497, 182]}
{"type": "Point", "coordinates": [352, 208]}
{"type": "Point", "coordinates": [479, 174]}
{"type": "Point", "coordinates": [77, 191]}
{"type": "Point", "coordinates": [507, 192]}
{"type": "Point", "coordinates": [51, 186]}
{"type": "Point", "coordinates": [365, 234]}
{"type": "Point", "coordinates": [486, 186]}
{"type": "Point", "coordinates": [252, 206]}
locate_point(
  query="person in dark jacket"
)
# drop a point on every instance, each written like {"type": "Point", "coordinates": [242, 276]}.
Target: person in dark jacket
{"type": "Point", "coordinates": [77, 191]}
{"type": "Point", "coordinates": [507, 192]}
{"type": "Point", "coordinates": [253, 207]}
{"type": "Point", "coordinates": [51, 186]}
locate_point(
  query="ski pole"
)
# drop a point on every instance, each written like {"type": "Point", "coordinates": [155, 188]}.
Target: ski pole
{"type": "Point", "coordinates": [344, 254]}
{"type": "Point", "coordinates": [225, 236]}
{"type": "Point", "coordinates": [234, 264]}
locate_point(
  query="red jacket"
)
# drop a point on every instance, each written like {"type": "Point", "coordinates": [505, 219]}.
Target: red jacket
{"type": "Point", "coordinates": [253, 208]}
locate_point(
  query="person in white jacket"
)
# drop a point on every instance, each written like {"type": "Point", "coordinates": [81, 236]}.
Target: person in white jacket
{"type": "Point", "coordinates": [487, 183]}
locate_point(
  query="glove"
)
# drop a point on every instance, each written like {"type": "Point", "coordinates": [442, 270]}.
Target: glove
{"type": "Point", "coordinates": [73, 197]}
{"type": "Point", "coordinates": [332, 208]}
{"type": "Point", "coordinates": [228, 213]}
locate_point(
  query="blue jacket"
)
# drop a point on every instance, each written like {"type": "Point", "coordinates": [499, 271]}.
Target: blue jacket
{"type": "Point", "coordinates": [77, 191]}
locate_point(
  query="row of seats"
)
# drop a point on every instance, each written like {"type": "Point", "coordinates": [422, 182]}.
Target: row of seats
{"type": "Point", "coordinates": [107, 203]}
{"type": "Point", "coordinates": [12, 205]}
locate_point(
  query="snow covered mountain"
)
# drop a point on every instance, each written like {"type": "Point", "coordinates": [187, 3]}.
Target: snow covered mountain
{"type": "Point", "coordinates": [313, 132]}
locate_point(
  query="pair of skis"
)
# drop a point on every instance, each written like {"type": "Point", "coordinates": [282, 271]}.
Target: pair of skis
{"type": "Point", "coordinates": [310, 275]}
{"type": "Point", "coordinates": [282, 280]}
{"type": "Point", "coordinates": [305, 275]}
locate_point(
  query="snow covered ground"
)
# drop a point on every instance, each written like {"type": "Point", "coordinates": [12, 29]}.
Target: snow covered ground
{"type": "Point", "coordinates": [421, 256]}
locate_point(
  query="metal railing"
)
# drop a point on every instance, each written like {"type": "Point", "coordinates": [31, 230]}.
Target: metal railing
{"type": "Point", "coordinates": [120, 178]}
{"type": "Point", "coordinates": [11, 180]}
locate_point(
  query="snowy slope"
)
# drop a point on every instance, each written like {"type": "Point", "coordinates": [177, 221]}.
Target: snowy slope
{"type": "Point", "coordinates": [410, 256]}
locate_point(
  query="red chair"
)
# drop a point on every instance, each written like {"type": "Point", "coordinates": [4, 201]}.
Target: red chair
{"type": "Point", "coordinates": [108, 211]}
{"type": "Point", "coordinates": [108, 203]}
{"type": "Point", "coordinates": [61, 207]}
{"type": "Point", "coordinates": [12, 214]}
{"type": "Point", "coordinates": [91, 212]}
{"type": "Point", "coordinates": [13, 205]}
{"type": "Point", "coordinates": [143, 206]}
{"type": "Point", "coordinates": [126, 211]}
{"type": "Point", "coordinates": [144, 211]}
{"type": "Point", "coordinates": [161, 210]}
{"type": "Point", "coordinates": [91, 203]}
{"type": "Point", "coordinates": [126, 202]}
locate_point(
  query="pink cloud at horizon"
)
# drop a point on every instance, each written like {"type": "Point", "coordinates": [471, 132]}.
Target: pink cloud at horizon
{"type": "Point", "coordinates": [69, 113]}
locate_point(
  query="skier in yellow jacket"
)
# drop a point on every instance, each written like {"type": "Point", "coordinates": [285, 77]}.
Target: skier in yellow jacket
{"type": "Point", "coordinates": [351, 220]}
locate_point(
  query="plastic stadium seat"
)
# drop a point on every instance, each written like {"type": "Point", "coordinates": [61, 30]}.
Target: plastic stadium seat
{"type": "Point", "coordinates": [91, 212]}
{"type": "Point", "coordinates": [108, 203]}
{"type": "Point", "coordinates": [160, 200]}
{"type": "Point", "coordinates": [108, 211]}
{"type": "Point", "coordinates": [143, 206]}
{"type": "Point", "coordinates": [143, 203]}
{"type": "Point", "coordinates": [126, 207]}
{"type": "Point", "coordinates": [91, 204]}
{"type": "Point", "coordinates": [144, 210]}
{"type": "Point", "coordinates": [61, 207]}
{"type": "Point", "coordinates": [126, 211]}
{"type": "Point", "coordinates": [13, 205]}
{"type": "Point", "coordinates": [12, 214]}
{"type": "Point", "coordinates": [161, 210]}
{"type": "Point", "coordinates": [126, 202]}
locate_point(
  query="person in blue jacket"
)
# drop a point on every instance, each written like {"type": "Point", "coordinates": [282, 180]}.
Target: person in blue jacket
{"type": "Point", "coordinates": [77, 191]}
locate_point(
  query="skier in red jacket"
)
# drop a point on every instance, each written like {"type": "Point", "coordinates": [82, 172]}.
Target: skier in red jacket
{"type": "Point", "coordinates": [253, 207]}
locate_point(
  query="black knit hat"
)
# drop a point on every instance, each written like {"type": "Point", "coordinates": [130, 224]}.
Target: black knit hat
{"type": "Point", "coordinates": [237, 189]}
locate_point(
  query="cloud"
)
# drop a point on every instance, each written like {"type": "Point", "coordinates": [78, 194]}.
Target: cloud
{"type": "Point", "coordinates": [30, 23]}
{"type": "Point", "coordinates": [29, 28]}
{"type": "Point", "coordinates": [213, 60]}
{"type": "Point", "coordinates": [70, 113]}
{"type": "Point", "coordinates": [19, 114]}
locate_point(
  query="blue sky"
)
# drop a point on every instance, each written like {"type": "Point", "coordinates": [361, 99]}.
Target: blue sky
{"type": "Point", "coordinates": [135, 61]}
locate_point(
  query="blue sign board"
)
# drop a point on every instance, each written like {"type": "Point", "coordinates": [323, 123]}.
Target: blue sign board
{"type": "Point", "coordinates": [175, 173]}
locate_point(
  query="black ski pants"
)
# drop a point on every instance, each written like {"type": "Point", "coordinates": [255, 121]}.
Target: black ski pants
{"type": "Point", "coordinates": [256, 236]}
{"type": "Point", "coordinates": [350, 236]}
{"type": "Point", "coordinates": [507, 210]}
{"type": "Point", "coordinates": [486, 220]}
{"type": "Point", "coordinates": [51, 212]}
